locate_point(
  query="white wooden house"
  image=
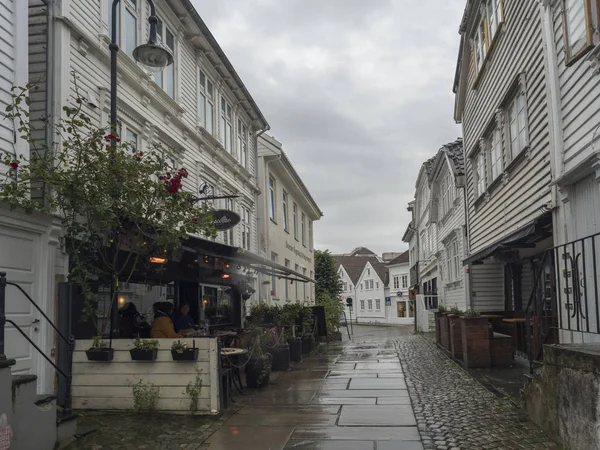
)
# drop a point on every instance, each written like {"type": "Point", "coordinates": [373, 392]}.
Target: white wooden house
{"type": "Point", "coordinates": [571, 36]}
{"type": "Point", "coordinates": [502, 104]}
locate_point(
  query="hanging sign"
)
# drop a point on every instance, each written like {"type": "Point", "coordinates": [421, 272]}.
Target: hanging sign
{"type": "Point", "coordinates": [223, 219]}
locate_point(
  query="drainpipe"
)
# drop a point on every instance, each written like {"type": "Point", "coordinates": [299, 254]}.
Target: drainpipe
{"type": "Point", "coordinates": [467, 249]}
{"type": "Point", "coordinates": [260, 219]}
{"type": "Point", "coordinates": [50, 61]}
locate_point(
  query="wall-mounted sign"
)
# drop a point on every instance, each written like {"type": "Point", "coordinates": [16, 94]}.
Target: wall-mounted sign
{"type": "Point", "coordinates": [399, 293]}
{"type": "Point", "coordinates": [224, 219]}
{"type": "Point", "coordinates": [388, 300]}
{"type": "Point", "coordinates": [298, 253]}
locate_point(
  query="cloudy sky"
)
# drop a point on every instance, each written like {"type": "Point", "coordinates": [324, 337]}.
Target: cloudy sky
{"type": "Point", "coordinates": [358, 91]}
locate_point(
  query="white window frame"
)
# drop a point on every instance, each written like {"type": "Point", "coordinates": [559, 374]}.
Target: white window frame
{"type": "Point", "coordinates": [284, 203]}
{"type": "Point", "coordinates": [297, 269]}
{"type": "Point", "coordinates": [495, 153]}
{"type": "Point", "coordinates": [480, 172]}
{"type": "Point", "coordinates": [287, 287]}
{"type": "Point", "coordinates": [163, 73]}
{"type": "Point", "coordinates": [246, 227]}
{"type": "Point", "coordinates": [274, 277]}
{"type": "Point", "coordinates": [242, 136]}
{"type": "Point", "coordinates": [404, 281]}
{"type": "Point", "coordinates": [124, 8]}
{"type": "Point", "coordinates": [206, 102]}
{"type": "Point", "coordinates": [272, 198]}
{"type": "Point", "coordinates": [377, 304]}
{"type": "Point", "coordinates": [517, 124]}
{"type": "Point", "coordinates": [295, 219]}
{"type": "Point", "coordinates": [310, 235]}
{"type": "Point", "coordinates": [226, 125]}
{"type": "Point", "coordinates": [362, 305]}
{"type": "Point", "coordinates": [303, 229]}
{"type": "Point", "coordinates": [228, 235]}
{"type": "Point", "coordinates": [488, 25]}
{"type": "Point", "coordinates": [370, 304]}
{"type": "Point", "coordinates": [396, 281]}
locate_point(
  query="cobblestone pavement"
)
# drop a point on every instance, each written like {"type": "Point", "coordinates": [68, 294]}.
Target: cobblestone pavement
{"type": "Point", "coordinates": [357, 396]}
{"type": "Point", "coordinates": [454, 411]}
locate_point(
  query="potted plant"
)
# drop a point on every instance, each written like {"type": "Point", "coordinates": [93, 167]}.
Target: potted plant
{"type": "Point", "coordinates": [290, 314]}
{"type": "Point", "coordinates": [295, 344]}
{"type": "Point", "coordinates": [181, 352]}
{"type": "Point", "coordinates": [455, 331]}
{"type": "Point", "coordinates": [475, 339]}
{"type": "Point", "coordinates": [280, 352]}
{"type": "Point", "coordinates": [144, 350]}
{"type": "Point", "coordinates": [99, 350]}
{"type": "Point", "coordinates": [258, 368]}
{"type": "Point", "coordinates": [308, 339]}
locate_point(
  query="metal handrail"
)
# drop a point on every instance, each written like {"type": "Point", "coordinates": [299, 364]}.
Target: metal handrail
{"type": "Point", "coordinates": [38, 308]}
{"type": "Point", "coordinates": [38, 349]}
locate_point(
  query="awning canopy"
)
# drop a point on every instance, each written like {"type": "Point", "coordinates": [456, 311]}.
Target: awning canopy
{"type": "Point", "coordinates": [237, 255]}
{"type": "Point", "coordinates": [526, 236]}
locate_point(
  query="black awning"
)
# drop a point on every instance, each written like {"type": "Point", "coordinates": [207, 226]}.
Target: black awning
{"type": "Point", "coordinates": [535, 231]}
{"type": "Point", "coordinates": [239, 255]}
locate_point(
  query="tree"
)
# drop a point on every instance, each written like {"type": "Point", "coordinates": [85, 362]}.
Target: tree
{"type": "Point", "coordinates": [328, 281]}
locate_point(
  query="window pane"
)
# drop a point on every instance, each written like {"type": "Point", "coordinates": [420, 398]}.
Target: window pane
{"type": "Point", "coordinates": [170, 81]}
{"type": "Point", "coordinates": [132, 3]}
{"type": "Point", "coordinates": [575, 24]}
{"type": "Point", "coordinates": [202, 81]}
{"type": "Point", "coordinates": [228, 137]}
{"type": "Point", "coordinates": [170, 39]}
{"type": "Point", "coordinates": [222, 130]}
{"type": "Point", "coordinates": [202, 109]}
{"type": "Point", "coordinates": [131, 138]}
{"type": "Point", "coordinates": [159, 29]}
{"type": "Point", "coordinates": [158, 78]}
{"type": "Point", "coordinates": [209, 118]}
{"type": "Point", "coordinates": [130, 33]}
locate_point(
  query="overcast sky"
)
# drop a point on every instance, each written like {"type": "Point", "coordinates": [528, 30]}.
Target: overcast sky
{"type": "Point", "coordinates": [358, 91]}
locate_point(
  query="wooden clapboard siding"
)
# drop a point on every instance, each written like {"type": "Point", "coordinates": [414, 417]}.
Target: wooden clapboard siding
{"type": "Point", "coordinates": [487, 287]}
{"type": "Point", "coordinates": [38, 67]}
{"type": "Point", "coordinates": [518, 48]}
{"type": "Point", "coordinates": [580, 100]}
{"type": "Point", "coordinates": [108, 385]}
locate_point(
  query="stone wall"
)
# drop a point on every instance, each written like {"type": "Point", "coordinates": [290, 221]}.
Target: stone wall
{"type": "Point", "coordinates": [563, 396]}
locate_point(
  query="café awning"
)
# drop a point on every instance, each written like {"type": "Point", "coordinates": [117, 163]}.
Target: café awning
{"type": "Point", "coordinates": [237, 255]}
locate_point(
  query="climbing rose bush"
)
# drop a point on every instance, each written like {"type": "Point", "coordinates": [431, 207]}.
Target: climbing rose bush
{"type": "Point", "coordinates": [107, 198]}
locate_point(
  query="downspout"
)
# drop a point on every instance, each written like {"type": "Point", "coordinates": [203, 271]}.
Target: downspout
{"type": "Point", "coordinates": [49, 95]}
{"type": "Point", "coordinates": [467, 249]}
{"type": "Point", "coordinates": [259, 220]}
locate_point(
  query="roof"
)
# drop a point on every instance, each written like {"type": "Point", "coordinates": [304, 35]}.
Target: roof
{"type": "Point", "coordinates": [355, 265]}
{"type": "Point", "coordinates": [454, 151]}
{"type": "Point", "coordinates": [401, 259]}
{"type": "Point", "coordinates": [362, 251]}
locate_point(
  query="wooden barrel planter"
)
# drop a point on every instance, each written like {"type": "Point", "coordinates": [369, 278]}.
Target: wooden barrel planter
{"type": "Point", "coordinates": [456, 347]}
{"type": "Point", "coordinates": [476, 341]}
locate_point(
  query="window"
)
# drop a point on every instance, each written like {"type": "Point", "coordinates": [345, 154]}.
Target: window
{"type": "Point", "coordinates": [303, 225]}
{"type": "Point", "coordinates": [345, 287]}
{"type": "Point", "coordinates": [165, 78]}
{"type": "Point", "coordinates": [404, 281]}
{"type": "Point", "coordinates": [127, 31]}
{"type": "Point", "coordinates": [271, 198]}
{"type": "Point", "coordinates": [295, 218]}
{"type": "Point", "coordinates": [228, 235]}
{"type": "Point", "coordinates": [362, 305]}
{"type": "Point", "coordinates": [370, 305]}
{"type": "Point", "coordinates": [578, 24]}
{"type": "Point", "coordinates": [369, 272]}
{"type": "Point", "coordinates": [206, 103]}
{"type": "Point", "coordinates": [494, 143]}
{"type": "Point", "coordinates": [396, 282]}
{"type": "Point", "coordinates": [378, 305]}
{"type": "Point", "coordinates": [516, 118]}
{"type": "Point", "coordinates": [489, 23]}
{"type": "Point", "coordinates": [401, 309]}
{"type": "Point", "coordinates": [273, 277]}
{"type": "Point", "coordinates": [284, 197]}
{"type": "Point", "coordinates": [246, 228]}
{"type": "Point", "coordinates": [130, 137]}
{"type": "Point", "coordinates": [310, 235]}
{"type": "Point", "coordinates": [304, 284]}
{"type": "Point", "coordinates": [242, 144]}
{"type": "Point", "coordinates": [287, 284]}
{"type": "Point", "coordinates": [226, 129]}
{"type": "Point", "coordinates": [297, 269]}
{"type": "Point", "coordinates": [453, 261]}
{"type": "Point", "coordinates": [361, 286]}
{"type": "Point", "coordinates": [377, 285]}
{"type": "Point", "coordinates": [480, 173]}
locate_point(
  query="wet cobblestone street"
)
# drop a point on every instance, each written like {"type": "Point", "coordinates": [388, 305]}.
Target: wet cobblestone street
{"type": "Point", "coordinates": [386, 389]}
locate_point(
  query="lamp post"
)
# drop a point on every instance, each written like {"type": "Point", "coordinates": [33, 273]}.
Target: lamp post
{"type": "Point", "coordinates": [154, 57]}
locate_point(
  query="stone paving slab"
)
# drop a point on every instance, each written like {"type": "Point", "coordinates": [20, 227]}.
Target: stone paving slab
{"type": "Point", "coordinates": [358, 433]}
{"type": "Point", "coordinates": [329, 445]}
{"type": "Point", "coordinates": [386, 416]}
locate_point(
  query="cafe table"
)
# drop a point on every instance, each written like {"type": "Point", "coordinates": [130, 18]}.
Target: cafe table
{"type": "Point", "coordinates": [231, 358]}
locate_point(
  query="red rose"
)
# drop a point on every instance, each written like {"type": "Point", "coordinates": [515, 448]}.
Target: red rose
{"type": "Point", "coordinates": [118, 139]}
{"type": "Point", "coordinates": [161, 177]}
{"type": "Point", "coordinates": [195, 220]}
{"type": "Point", "coordinates": [141, 153]}
{"type": "Point", "coordinates": [14, 165]}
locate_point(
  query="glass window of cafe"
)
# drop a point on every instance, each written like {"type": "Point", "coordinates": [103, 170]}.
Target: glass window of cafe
{"type": "Point", "coordinates": [216, 306]}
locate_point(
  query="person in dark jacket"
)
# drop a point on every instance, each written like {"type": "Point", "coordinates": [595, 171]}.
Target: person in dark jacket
{"type": "Point", "coordinates": [184, 323]}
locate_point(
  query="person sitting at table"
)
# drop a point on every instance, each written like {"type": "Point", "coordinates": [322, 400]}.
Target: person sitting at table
{"type": "Point", "coordinates": [184, 323]}
{"type": "Point", "coordinates": [163, 327]}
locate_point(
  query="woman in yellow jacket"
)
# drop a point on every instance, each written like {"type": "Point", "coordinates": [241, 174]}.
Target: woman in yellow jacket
{"type": "Point", "coordinates": [163, 327]}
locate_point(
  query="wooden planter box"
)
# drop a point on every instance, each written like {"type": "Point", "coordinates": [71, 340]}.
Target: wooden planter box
{"type": "Point", "coordinates": [476, 335]}
{"type": "Point", "coordinates": [138, 354]}
{"type": "Point", "coordinates": [438, 315]}
{"type": "Point", "coordinates": [189, 354]}
{"type": "Point", "coordinates": [445, 332]}
{"type": "Point", "coordinates": [100, 354]}
{"type": "Point", "coordinates": [456, 347]}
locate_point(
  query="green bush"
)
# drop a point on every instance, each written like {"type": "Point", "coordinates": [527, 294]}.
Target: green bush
{"type": "Point", "coordinates": [333, 312]}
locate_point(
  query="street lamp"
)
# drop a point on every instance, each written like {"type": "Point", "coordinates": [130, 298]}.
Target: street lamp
{"type": "Point", "coordinates": [155, 57]}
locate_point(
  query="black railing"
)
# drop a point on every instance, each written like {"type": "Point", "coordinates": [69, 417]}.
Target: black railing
{"type": "Point", "coordinates": [565, 294]}
{"type": "Point", "coordinates": [67, 359]}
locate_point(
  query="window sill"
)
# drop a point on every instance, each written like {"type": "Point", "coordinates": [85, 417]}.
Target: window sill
{"type": "Point", "coordinates": [494, 184]}
{"type": "Point", "coordinates": [455, 283]}
{"type": "Point", "coordinates": [523, 154]}
{"type": "Point", "coordinates": [273, 220]}
{"type": "Point", "coordinates": [286, 230]}
{"type": "Point", "coordinates": [480, 199]}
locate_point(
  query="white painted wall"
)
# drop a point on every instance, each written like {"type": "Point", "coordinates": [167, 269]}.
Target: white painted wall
{"type": "Point", "coordinates": [399, 309]}
{"type": "Point", "coordinates": [367, 296]}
